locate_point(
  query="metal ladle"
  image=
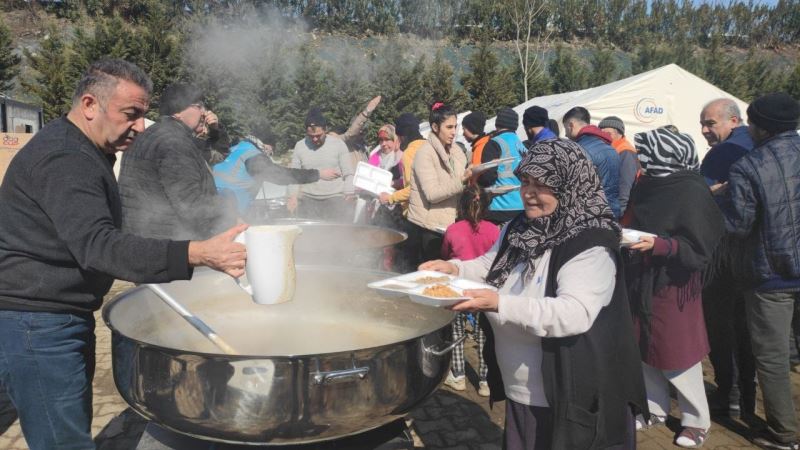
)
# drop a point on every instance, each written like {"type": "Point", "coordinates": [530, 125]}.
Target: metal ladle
{"type": "Point", "coordinates": [193, 320]}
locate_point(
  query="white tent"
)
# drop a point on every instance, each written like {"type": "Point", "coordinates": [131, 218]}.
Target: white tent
{"type": "Point", "coordinates": [665, 96]}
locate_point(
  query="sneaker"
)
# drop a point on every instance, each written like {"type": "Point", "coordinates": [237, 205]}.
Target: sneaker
{"type": "Point", "coordinates": [483, 389]}
{"type": "Point", "coordinates": [654, 420]}
{"type": "Point", "coordinates": [456, 383]}
{"type": "Point", "coordinates": [766, 440]}
{"type": "Point", "coordinates": [691, 437]}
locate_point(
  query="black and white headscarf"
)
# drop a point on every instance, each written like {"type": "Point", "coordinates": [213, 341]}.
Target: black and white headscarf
{"type": "Point", "coordinates": [663, 151]}
{"type": "Point", "coordinates": [563, 167]}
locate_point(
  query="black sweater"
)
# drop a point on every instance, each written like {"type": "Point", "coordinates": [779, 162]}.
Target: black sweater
{"type": "Point", "coordinates": [60, 240]}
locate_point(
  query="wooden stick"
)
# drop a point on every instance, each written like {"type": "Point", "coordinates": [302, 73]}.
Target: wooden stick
{"type": "Point", "coordinates": [193, 320]}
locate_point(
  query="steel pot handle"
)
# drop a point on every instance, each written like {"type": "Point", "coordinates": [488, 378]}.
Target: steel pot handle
{"type": "Point", "coordinates": [338, 376]}
{"type": "Point", "coordinates": [447, 349]}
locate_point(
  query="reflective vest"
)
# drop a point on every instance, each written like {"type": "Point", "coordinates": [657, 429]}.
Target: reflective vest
{"type": "Point", "coordinates": [231, 176]}
{"type": "Point", "coordinates": [510, 145]}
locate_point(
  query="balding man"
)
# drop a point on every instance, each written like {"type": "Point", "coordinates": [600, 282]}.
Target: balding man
{"type": "Point", "coordinates": [723, 303]}
{"type": "Point", "coordinates": [726, 133]}
{"type": "Point", "coordinates": [61, 248]}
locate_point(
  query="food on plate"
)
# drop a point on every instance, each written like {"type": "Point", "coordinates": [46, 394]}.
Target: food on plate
{"type": "Point", "coordinates": [430, 280]}
{"type": "Point", "coordinates": [441, 291]}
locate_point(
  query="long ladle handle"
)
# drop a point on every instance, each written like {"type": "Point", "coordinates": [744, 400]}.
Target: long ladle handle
{"type": "Point", "coordinates": [192, 319]}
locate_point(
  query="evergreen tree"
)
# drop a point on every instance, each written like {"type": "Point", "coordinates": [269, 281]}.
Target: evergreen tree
{"type": "Point", "coordinates": [9, 61]}
{"type": "Point", "coordinates": [51, 84]}
{"type": "Point", "coordinates": [159, 51]}
{"type": "Point", "coordinates": [488, 84]}
{"type": "Point", "coordinates": [755, 77]}
{"type": "Point", "coordinates": [566, 71]}
{"type": "Point", "coordinates": [399, 81]}
{"type": "Point", "coordinates": [604, 67]}
{"type": "Point", "coordinates": [718, 67]}
{"type": "Point", "coordinates": [311, 88]}
{"type": "Point", "coordinates": [792, 84]}
{"type": "Point", "coordinates": [439, 85]}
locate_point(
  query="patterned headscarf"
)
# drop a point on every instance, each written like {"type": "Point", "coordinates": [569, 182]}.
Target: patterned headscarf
{"type": "Point", "coordinates": [663, 152]}
{"type": "Point", "coordinates": [562, 166]}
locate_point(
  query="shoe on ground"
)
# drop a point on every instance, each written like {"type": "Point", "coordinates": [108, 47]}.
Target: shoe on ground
{"type": "Point", "coordinates": [483, 389]}
{"type": "Point", "coordinates": [456, 383]}
{"type": "Point", "coordinates": [691, 437]}
{"type": "Point", "coordinates": [766, 440]}
{"type": "Point", "coordinates": [652, 421]}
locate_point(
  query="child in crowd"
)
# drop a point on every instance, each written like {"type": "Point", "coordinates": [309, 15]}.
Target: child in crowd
{"type": "Point", "coordinates": [470, 237]}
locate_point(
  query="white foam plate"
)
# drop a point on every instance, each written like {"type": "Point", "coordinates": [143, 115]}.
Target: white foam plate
{"type": "Point", "coordinates": [491, 164]}
{"type": "Point", "coordinates": [630, 236]}
{"type": "Point", "coordinates": [414, 277]}
{"type": "Point", "coordinates": [499, 190]}
{"type": "Point", "coordinates": [372, 179]}
{"type": "Point", "coordinates": [392, 287]}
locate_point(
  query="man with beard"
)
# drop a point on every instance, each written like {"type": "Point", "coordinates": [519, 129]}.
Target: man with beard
{"type": "Point", "coordinates": [61, 248]}
{"type": "Point", "coordinates": [325, 199]}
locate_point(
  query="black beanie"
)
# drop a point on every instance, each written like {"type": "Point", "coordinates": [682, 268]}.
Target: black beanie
{"type": "Point", "coordinates": [314, 118]}
{"type": "Point", "coordinates": [774, 113]}
{"type": "Point", "coordinates": [406, 125]}
{"type": "Point", "coordinates": [535, 116]}
{"type": "Point", "coordinates": [475, 122]}
{"type": "Point", "coordinates": [177, 97]}
{"type": "Point", "coordinates": [507, 118]}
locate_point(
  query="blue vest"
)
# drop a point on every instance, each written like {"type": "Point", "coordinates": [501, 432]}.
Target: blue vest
{"type": "Point", "coordinates": [231, 176]}
{"type": "Point", "coordinates": [510, 145]}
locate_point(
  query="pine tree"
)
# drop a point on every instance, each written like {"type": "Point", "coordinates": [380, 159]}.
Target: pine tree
{"type": "Point", "coordinates": [399, 81]}
{"type": "Point", "coordinates": [567, 72]}
{"type": "Point", "coordinates": [51, 85]}
{"type": "Point", "coordinates": [488, 84]}
{"type": "Point", "coordinates": [159, 50]}
{"type": "Point", "coordinates": [792, 84]}
{"type": "Point", "coordinates": [311, 88]}
{"type": "Point", "coordinates": [604, 67]}
{"type": "Point", "coordinates": [9, 61]}
{"type": "Point", "coordinates": [439, 84]}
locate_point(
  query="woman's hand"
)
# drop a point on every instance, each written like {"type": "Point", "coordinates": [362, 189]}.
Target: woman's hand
{"type": "Point", "coordinates": [483, 300]}
{"type": "Point", "coordinates": [439, 265]}
{"type": "Point", "coordinates": [645, 244]}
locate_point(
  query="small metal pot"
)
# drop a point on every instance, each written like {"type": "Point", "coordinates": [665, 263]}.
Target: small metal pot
{"type": "Point", "coordinates": [337, 360]}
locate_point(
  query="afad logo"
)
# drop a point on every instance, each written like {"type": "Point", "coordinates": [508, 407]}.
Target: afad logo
{"type": "Point", "coordinates": [646, 110]}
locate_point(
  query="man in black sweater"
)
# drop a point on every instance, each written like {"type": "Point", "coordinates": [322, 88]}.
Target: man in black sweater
{"type": "Point", "coordinates": [61, 248]}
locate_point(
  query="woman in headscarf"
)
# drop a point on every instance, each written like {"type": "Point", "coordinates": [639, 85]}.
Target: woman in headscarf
{"type": "Point", "coordinates": [672, 201]}
{"type": "Point", "coordinates": [560, 343]}
{"type": "Point", "coordinates": [387, 155]}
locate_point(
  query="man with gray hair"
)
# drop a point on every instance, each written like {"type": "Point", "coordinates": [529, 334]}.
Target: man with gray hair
{"type": "Point", "coordinates": [723, 303]}
{"type": "Point", "coordinates": [61, 248]}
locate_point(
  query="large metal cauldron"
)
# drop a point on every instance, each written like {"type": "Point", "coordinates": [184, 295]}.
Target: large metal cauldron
{"type": "Point", "coordinates": [337, 360]}
{"type": "Point", "coordinates": [341, 244]}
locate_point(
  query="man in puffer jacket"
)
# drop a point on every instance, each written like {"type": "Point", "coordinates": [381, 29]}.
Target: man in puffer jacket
{"type": "Point", "coordinates": [597, 145]}
{"type": "Point", "coordinates": [763, 205]}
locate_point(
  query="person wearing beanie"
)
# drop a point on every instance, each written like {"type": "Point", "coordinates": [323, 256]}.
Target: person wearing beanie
{"type": "Point", "coordinates": [166, 187]}
{"type": "Point", "coordinates": [597, 144]}
{"type": "Point", "coordinates": [762, 206]}
{"type": "Point", "coordinates": [331, 200]}
{"type": "Point", "coordinates": [535, 121]}
{"type": "Point", "coordinates": [629, 168]}
{"type": "Point", "coordinates": [503, 143]}
{"type": "Point", "coordinates": [472, 128]}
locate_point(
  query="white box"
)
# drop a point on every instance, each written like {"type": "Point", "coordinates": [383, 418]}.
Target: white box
{"type": "Point", "coordinates": [372, 179]}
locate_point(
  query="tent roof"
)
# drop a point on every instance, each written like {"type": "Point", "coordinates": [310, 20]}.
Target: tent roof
{"type": "Point", "coordinates": [663, 96]}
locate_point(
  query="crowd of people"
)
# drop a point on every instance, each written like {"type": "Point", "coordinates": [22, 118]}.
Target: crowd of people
{"type": "Point", "coordinates": [581, 332]}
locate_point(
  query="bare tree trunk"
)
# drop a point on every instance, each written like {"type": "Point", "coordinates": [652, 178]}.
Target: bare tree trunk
{"type": "Point", "coordinates": [529, 46]}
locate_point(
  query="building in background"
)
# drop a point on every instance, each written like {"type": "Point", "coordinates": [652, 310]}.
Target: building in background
{"type": "Point", "coordinates": [19, 117]}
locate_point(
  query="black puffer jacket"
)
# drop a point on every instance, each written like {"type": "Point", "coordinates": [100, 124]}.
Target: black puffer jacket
{"type": "Point", "coordinates": [167, 188]}
{"type": "Point", "coordinates": [764, 206]}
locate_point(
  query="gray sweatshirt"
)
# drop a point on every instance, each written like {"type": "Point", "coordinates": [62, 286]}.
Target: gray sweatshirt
{"type": "Point", "coordinates": [332, 154]}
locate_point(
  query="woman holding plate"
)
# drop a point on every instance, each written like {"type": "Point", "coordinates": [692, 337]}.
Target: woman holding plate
{"type": "Point", "coordinates": [560, 343]}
